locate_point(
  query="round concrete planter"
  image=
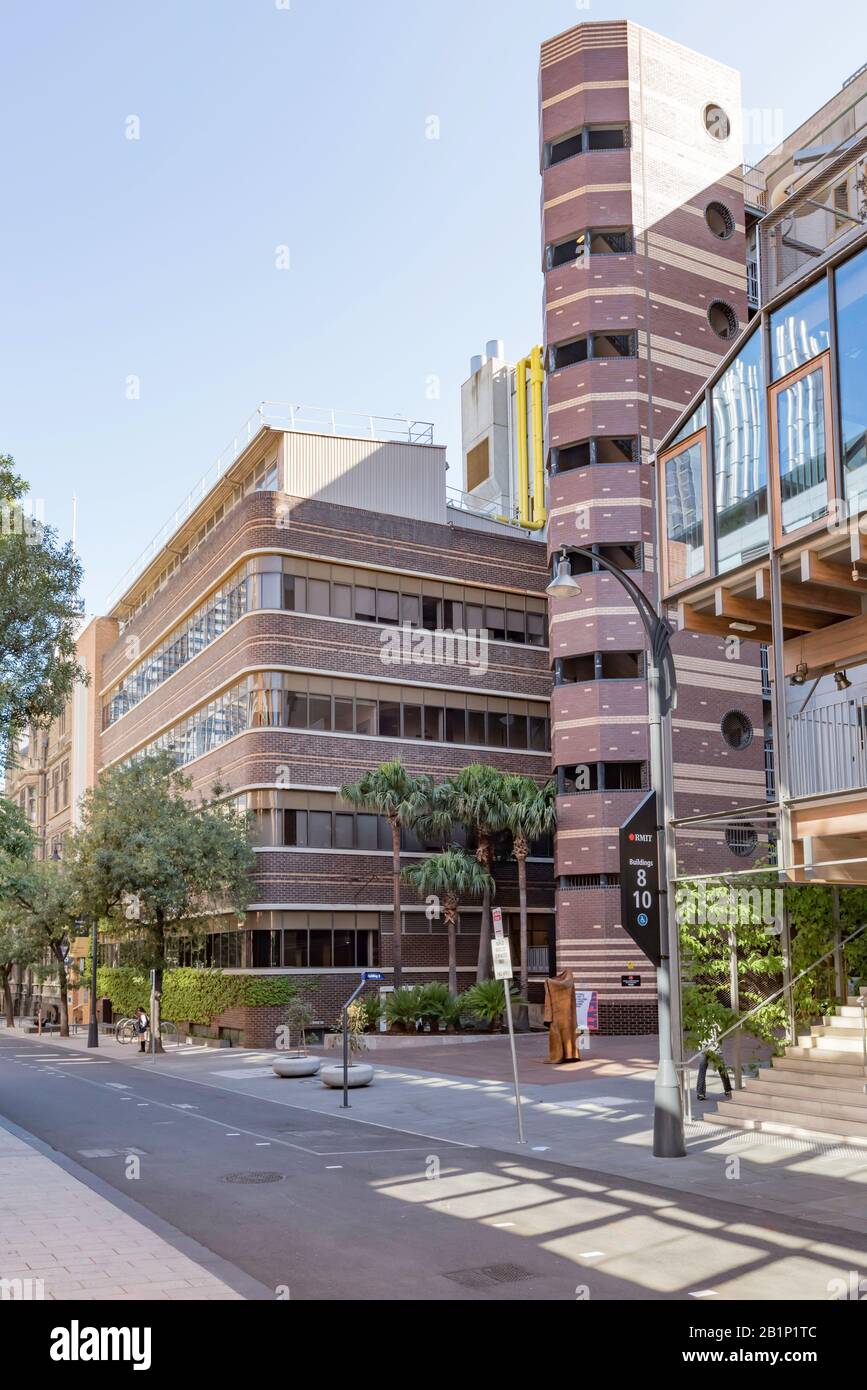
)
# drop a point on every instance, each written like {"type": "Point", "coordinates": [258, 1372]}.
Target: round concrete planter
{"type": "Point", "coordinates": [296, 1066]}
{"type": "Point", "coordinates": [360, 1074]}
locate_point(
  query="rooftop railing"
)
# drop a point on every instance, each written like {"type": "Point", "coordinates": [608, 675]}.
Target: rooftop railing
{"type": "Point", "coordinates": [278, 415]}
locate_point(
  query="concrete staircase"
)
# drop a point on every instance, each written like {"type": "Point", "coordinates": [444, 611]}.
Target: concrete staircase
{"type": "Point", "coordinates": [817, 1090]}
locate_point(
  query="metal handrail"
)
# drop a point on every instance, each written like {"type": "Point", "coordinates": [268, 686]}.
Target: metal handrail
{"type": "Point", "coordinates": [785, 988]}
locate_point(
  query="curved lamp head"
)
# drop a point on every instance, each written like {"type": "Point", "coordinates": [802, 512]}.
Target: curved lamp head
{"type": "Point", "coordinates": [563, 585]}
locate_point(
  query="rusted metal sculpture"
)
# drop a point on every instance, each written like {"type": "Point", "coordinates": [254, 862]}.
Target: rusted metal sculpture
{"type": "Point", "coordinates": [561, 1014]}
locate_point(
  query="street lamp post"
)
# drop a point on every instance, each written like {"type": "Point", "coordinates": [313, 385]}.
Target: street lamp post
{"type": "Point", "coordinates": [668, 1135]}
{"type": "Point", "coordinates": [93, 1026]}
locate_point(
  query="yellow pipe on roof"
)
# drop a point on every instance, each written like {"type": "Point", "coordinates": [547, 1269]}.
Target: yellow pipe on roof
{"type": "Point", "coordinates": [524, 518]}
{"type": "Point", "coordinates": [537, 383]}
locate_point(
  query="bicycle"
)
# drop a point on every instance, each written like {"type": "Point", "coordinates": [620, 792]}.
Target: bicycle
{"type": "Point", "coordinates": [126, 1030]}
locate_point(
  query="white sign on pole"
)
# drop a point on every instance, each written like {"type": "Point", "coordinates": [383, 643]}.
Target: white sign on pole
{"type": "Point", "coordinates": [497, 918]}
{"type": "Point", "coordinates": [502, 960]}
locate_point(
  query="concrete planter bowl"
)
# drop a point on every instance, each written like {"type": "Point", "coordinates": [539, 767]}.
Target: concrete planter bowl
{"type": "Point", "coordinates": [296, 1066]}
{"type": "Point", "coordinates": [360, 1074]}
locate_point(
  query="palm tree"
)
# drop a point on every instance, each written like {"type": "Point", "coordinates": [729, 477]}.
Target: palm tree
{"type": "Point", "coordinates": [452, 876]}
{"type": "Point", "coordinates": [474, 799]}
{"type": "Point", "coordinates": [390, 791]}
{"type": "Point", "coordinates": [530, 814]}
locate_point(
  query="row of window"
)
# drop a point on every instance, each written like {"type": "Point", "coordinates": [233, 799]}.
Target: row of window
{"type": "Point", "coordinates": [329, 940]}
{"type": "Point", "coordinates": [284, 700]}
{"type": "Point", "coordinates": [602, 777]}
{"type": "Point", "coordinates": [587, 140]}
{"type": "Point", "coordinates": [601, 666]}
{"type": "Point", "coordinates": [794, 410]}
{"type": "Point", "coordinates": [592, 347]}
{"type": "Point", "coordinates": [317, 820]}
{"type": "Point", "coordinates": [264, 478]}
{"type": "Point", "coordinates": [337, 591]}
{"type": "Point", "coordinates": [587, 452]}
{"type": "Point", "coordinates": [603, 241]}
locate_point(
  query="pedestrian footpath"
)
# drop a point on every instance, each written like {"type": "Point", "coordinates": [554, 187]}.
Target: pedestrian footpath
{"type": "Point", "coordinates": [60, 1239]}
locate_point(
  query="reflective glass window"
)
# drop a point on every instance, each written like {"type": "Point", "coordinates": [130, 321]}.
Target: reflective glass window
{"type": "Point", "coordinates": [800, 330]}
{"type": "Point", "coordinates": [740, 459]}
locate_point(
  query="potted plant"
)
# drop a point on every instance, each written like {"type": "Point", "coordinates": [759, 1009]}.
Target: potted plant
{"type": "Point", "coordinates": [433, 1003]}
{"type": "Point", "coordinates": [294, 1062]}
{"type": "Point", "coordinates": [359, 1073]}
{"type": "Point", "coordinates": [373, 1011]}
{"type": "Point", "coordinates": [487, 1001]}
{"type": "Point", "coordinates": [402, 1010]}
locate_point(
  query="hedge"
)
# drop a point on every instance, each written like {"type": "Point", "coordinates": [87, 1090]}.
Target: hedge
{"type": "Point", "coordinates": [192, 995]}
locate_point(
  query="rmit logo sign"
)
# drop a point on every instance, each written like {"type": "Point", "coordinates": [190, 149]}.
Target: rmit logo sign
{"type": "Point", "coordinates": [641, 839]}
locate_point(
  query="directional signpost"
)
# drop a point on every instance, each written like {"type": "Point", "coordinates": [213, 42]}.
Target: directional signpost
{"type": "Point", "coordinates": [502, 955]}
{"type": "Point", "coordinates": [639, 878]}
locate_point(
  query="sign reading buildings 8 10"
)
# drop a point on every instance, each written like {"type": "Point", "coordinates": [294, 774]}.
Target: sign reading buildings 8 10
{"type": "Point", "coordinates": [639, 878]}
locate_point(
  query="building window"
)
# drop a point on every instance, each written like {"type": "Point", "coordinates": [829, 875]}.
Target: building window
{"type": "Point", "coordinates": [565, 149]}
{"type": "Point", "coordinates": [740, 458]}
{"type": "Point", "coordinates": [593, 346]}
{"type": "Point", "coordinates": [716, 122]}
{"type": "Point", "coordinates": [601, 241]}
{"type": "Point", "coordinates": [851, 286]}
{"type": "Point", "coordinates": [742, 839]}
{"type": "Point", "coordinates": [589, 452]}
{"type": "Point", "coordinates": [800, 330]}
{"type": "Point", "coordinates": [800, 424]}
{"type": "Point", "coordinates": [736, 729]}
{"type": "Point", "coordinates": [588, 140]}
{"type": "Point", "coordinates": [720, 220]}
{"type": "Point", "coordinates": [684, 510]}
{"type": "Point", "coordinates": [722, 319]}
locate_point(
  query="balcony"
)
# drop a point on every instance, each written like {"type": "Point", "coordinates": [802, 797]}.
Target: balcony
{"type": "Point", "coordinates": [828, 749]}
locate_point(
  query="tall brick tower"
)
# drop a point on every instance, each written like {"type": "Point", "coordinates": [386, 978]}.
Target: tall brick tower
{"type": "Point", "coordinates": [645, 286]}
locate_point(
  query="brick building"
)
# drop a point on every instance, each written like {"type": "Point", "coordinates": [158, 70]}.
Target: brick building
{"type": "Point", "coordinates": [319, 610]}
{"type": "Point", "coordinates": [644, 259]}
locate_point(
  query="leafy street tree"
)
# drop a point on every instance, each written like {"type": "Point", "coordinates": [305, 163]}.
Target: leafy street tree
{"type": "Point", "coordinates": [18, 946]}
{"type": "Point", "coordinates": [530, 814]}
{"type": "Point", "coordinates": [17, 943]}
{"type": "Point", "coordinates": [43, 898]}
{"type": "Point", "coordinates": [453, 877]}
{"type": "Point", "coordinates": [404, 800]}
{"type": "Point", "coordinates": [39, 615]}
{"type": "Point", "coordinates": [153, 863]}
{"type": "Point", "coordinates": [474, 799]}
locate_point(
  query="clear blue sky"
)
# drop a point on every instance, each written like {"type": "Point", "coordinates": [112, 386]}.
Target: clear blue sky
{"type": "Point", "coordinates": [264, 126]}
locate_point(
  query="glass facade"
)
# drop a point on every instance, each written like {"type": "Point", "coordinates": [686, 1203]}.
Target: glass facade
{"type": "Point", "coordinates": [336, 591]}
{"type": "Point", "coordinates": [740, 459]}
{"type": "Point", "coordinates": [774, 442]}
{"type": "Point", "coordinates": [851, 286]}
{"type": "Point", "coordinates": [684, 514]}
{"type": "Point", "coordinates": [800, 330]}
{"type": "Point", "coordinates": [284, 700]}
